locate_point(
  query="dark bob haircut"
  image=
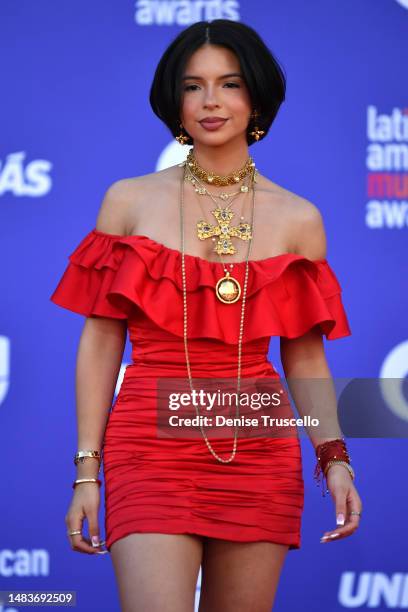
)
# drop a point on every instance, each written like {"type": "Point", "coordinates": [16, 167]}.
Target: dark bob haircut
{"type": "Point", "coordinates": [263, 75]}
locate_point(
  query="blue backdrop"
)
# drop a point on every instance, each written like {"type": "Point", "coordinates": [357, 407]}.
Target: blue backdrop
{"type": "Point", "coordinates": [74, 118]}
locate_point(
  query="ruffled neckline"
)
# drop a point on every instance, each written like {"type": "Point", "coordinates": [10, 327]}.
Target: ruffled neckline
{"type": "Point", "coordinates": [118, 276]}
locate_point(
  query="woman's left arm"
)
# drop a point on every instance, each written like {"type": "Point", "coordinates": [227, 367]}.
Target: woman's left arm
{"type": "Point", "coordinates": [303, 361]}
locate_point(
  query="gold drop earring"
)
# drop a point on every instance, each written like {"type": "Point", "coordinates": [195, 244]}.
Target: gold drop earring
{"type": "Point", "coordinates": [182, 138]}
{"type": "Point", "coordinates": [257, 133]}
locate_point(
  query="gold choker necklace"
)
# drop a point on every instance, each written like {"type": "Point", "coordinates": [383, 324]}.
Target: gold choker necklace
{"type": "Point", "coordinates": [217, 179]}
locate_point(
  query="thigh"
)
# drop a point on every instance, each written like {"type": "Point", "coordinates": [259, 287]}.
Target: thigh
{"type": "Point", "coordinates": [240, 576]}
{"type": "Point", "coordinates": [157, 571]}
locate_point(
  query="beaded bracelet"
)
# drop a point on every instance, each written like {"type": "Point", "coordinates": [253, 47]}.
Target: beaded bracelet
{"type": "Point", "coordinates": [332, 451]}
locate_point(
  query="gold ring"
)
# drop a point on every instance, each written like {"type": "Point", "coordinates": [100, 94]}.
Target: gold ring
{"type": "Point", "coordinates": [75, 532]}
{"type": "Point", "coordinates": [355, 512]}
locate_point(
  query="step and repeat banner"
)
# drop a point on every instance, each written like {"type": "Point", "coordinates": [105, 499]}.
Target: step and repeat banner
{"type": "Point", "coordinates": [74, 118]}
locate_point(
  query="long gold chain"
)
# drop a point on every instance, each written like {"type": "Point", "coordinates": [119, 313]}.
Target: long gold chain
{"type": "Point", "coordinates": [241, 327]}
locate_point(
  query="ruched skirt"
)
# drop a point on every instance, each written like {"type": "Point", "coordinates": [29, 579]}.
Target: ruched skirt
{"type": "Point", "coordinates": [175, 485]}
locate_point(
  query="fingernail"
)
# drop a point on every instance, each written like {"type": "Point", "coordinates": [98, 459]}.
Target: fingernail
{"type": "Point", "coordinates": [95, 541]}
{"type": "Point", "coordinates": [102, 552]}
{"type": "Point", "coordinates": [340, 519]}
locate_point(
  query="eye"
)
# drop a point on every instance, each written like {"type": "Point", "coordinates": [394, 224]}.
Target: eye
{"type": "Point", "coordinates": [191, 87]}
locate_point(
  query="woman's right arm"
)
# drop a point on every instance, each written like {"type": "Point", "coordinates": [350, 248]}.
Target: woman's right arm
{"type": "Point", "coordinates": [99, 358]}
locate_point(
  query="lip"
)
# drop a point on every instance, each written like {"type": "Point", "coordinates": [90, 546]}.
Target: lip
{"type": "Point", "coordinates": [213, 118]}
{"type": "Point", "coordinates": [212, 123]}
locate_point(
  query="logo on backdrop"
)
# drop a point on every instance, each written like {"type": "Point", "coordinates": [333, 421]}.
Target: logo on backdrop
{"type": "Point", "coordinates": [121, 375]}
{"type": "Point", "coordinates": [387, 165]}
{"type": "Point", "coordinates": [24, 562]}
{"type": "Point", "coordinates": [403, 3]}
{"type": "Point", "coordinates": [184, 12]}
{"type": "Point", "coordinates": [4, 367]}
{"type": "Point", "coordinates": [392, 374]}
{"type": "Point", "coordinates": [24, 179]}
{"type": "Point", "coordinates": [373, 590]}
{"type": "Point", "coordinates": [174, 153]}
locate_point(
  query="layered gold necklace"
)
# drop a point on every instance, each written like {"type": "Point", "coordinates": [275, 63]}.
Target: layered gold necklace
{"type": "Point", "coordinates": [228, 288]}
{"type": "Point", "coordinates": [221, 295]}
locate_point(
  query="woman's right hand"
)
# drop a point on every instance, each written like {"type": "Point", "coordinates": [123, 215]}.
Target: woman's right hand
{"type": "Point", "coordinates": [85, 505]}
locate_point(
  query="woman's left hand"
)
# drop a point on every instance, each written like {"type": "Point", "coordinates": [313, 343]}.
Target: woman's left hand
{"type": "Point", "coordinates": [346, 499]}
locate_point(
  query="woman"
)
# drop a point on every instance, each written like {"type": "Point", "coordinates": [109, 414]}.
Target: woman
{"type": "Point", "coordinates": [201, 293]}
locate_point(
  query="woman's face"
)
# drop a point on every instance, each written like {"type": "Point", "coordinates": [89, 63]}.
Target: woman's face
{"type": "Point", "coordinates": [208, 91]}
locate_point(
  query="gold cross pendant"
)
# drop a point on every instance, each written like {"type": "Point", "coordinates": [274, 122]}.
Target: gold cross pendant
{"type": "Point", "coordinates": [224, 245]}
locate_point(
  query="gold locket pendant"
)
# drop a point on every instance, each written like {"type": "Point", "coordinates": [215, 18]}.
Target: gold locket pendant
{"type": "Point", "coordinates": [228, 289]}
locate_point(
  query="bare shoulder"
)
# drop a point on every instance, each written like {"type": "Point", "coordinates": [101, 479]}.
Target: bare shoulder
{"type": "Point", "coordinates": [300, 215]}
{"type": "Point", "coordinates": [122, 198]}
{"type": "Point", "coordinates": [310, 234]}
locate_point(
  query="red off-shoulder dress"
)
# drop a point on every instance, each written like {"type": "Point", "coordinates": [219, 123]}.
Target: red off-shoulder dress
{"type": "Point", "coordinates": [175, 485]}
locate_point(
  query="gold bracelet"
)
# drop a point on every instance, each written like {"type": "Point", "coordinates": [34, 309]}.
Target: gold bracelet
{"type": "Point", "coordinates": [343, 463]}
{"type": "Point", "coordinates": [80, 455]}
{"type": "Point", "coordinates": [80, 480]}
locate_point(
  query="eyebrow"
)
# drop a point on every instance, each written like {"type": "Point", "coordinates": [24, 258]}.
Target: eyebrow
{"type": "Point", "coordinates": [224, 76]}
